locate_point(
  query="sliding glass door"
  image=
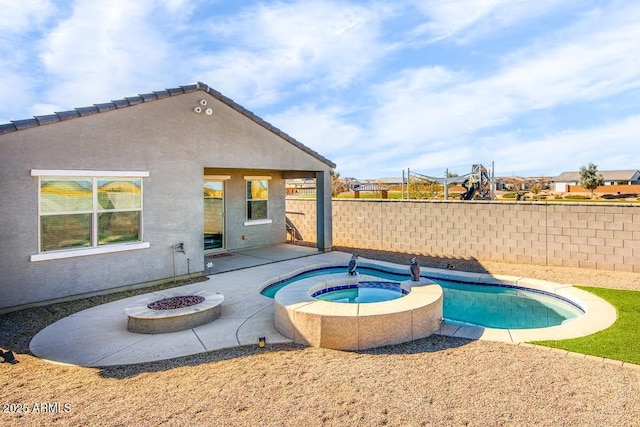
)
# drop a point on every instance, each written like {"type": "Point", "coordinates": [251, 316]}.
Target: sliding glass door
{"type": "Point", "coordinates": [213, 215]}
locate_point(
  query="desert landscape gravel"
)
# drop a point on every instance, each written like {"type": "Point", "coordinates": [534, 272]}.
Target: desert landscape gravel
{"type": "Point", "coordinates": [436, 381]}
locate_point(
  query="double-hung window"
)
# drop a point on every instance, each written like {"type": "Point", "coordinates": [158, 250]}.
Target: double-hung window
{"type": "Point", "coordinates": [87, 212]}
{"type": "Point", "coordinates": [257, 200]}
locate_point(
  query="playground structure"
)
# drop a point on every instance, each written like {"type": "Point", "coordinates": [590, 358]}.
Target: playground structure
{"type": "Point", "coordinates": [478, 184]}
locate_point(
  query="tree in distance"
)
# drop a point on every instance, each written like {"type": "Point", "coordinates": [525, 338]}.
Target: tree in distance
{"type": "Point", "coordinates": [337, 185]}
{"type": "Point", "coordinates": [590, 178]}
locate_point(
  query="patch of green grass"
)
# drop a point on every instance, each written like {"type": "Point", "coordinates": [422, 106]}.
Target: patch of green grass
{"type": "Point", "coordinates": [303, 196]}
{"type": "Point", "coordinates": [370, 195]}
{"type": "Point", "coordinates": [577, 197]}
{"type": "Point", "coordinates": [618, 342]}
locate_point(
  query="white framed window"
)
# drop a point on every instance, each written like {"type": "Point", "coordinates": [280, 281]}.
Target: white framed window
{"type": "Point", "coordinates": [88, 212]}
{"type": "Point", "coordinates": [257, 211]}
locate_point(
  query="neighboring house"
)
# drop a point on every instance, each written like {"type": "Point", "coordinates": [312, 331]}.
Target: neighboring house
{"type": "Point", "coordinates": [370, 188]}
{"type": "Point", "coordinates": [301, 186]}
{"type": "Point", "coordinates": [393, 183]}
{"type": "Point", "coordinates": [140, 190]}
{"type": "Point", "coordinates": [385, 181]}
{"type": "Point", "coordinates": [615, 177]}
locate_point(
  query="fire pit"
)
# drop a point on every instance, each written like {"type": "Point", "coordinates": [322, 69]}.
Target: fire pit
{"type": "Point", "coordinates": [172, 303]}
{"type": "Point", "coordinates": [173, 312]}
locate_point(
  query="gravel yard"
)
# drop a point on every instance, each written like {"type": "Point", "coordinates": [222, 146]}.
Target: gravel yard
{"type": "Point", "coordinates": [433, 381]}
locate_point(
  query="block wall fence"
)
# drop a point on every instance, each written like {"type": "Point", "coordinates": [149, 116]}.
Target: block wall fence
{"type": "Point", "coordinates": [597, 236]}
{"type": "Point", "coordinates": [606, 189]}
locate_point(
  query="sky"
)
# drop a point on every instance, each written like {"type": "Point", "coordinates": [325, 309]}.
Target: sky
{"type": "Point", "coordinates": [537, 87]}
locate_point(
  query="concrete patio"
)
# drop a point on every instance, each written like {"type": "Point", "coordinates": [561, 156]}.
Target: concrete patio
{"type": "Point", "coordinates": [99, 337]}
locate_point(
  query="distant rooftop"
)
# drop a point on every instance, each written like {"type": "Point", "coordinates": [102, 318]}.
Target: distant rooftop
{"type": "Point", "coordinates": [614, 175]}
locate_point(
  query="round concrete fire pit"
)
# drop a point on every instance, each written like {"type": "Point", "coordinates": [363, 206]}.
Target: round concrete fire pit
{"type": "Point", "coordinates": [173, 311]}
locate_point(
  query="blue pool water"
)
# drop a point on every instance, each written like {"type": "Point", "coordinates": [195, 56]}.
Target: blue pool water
{"type": "Point", "coordinates": [271, 290]}
{"type": "Point", "coordinates": [488, 305]}
{"type": "Point", "coordinates": [362, 292]}
{"type": "Point", "coordinates": [503, 307]}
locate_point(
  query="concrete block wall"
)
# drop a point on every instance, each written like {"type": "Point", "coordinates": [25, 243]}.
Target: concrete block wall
{"type": "Point", "coordinates": [604, 237]}
{"type": "Point", "coordinates": [305, 219]}
{"type": "Point", "coordinates": [606, 189]}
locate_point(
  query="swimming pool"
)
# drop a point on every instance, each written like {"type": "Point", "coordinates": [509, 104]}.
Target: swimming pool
{"type": "Point", "coordinates": [489, 305]}
{"type": "Point", "coordinates": [504, 307]}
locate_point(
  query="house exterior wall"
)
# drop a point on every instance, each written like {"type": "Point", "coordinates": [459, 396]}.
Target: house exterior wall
{"type": "Point", "coordinates": [235, 206]}
{"type": "Point", "coordinates": [604, 237]}
{"type": "Point", "coordinates": [560, 187]}
{"type": "Point", "coordinates": [175, 145]}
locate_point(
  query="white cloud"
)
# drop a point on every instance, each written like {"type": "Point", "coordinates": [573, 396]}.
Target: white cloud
{"type": "Point", "coordinates": [456, 159]}
{"type": "Point", "coordinates": [585, 67]}
{"type": "Point", "coordinates": [469, 19]}
{"type": "Point", "coordinates": [108, 50]}
{"type": "Point", "coordinates": [20, 22]}
{"type": "Point", "coordinates": [325, 130]}
{"type": "Point", "coordinates": [180, 7]}
{"type": "Point", "coordinates": [347, 79]}
{"type": "Point", "coordinates": [435, 107]}
{"type": "Point", "coordinates": [416, 111]}
{"type": "Point", "coordinates": [15, 96]}
{"type": "Point", "coordinates": [610, 146]}
{"type": "Point", "coordinates": [431, 116]}
{"type": "Point", "coordinates": [24, 15]}
{"type": "Point", "coordinates": [448, 17]}
{"type": "Point", "coordinates": [274, 50]}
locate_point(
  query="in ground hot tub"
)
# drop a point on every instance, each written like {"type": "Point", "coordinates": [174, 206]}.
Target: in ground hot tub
{"type": "Point", "coordinates": [362, 292]}
{"type": "Point", "coordinates": [415, 313]}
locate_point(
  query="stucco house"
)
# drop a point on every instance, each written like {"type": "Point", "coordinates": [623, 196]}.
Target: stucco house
{"type": "Point", "coordinates": [611, 177]}
{"type": "Point", "coordinates": [107, 196]}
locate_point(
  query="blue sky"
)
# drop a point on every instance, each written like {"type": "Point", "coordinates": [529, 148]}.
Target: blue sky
{"type": "Point", "coordinates": [537, 86]}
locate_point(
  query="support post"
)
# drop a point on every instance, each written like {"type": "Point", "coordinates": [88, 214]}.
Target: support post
{"type": "Point", "coordinates": [323, 211]}
{"type": "Point", "coordinates": [446, 184]}
{"type": "Point", "coordinates": [493, 182]}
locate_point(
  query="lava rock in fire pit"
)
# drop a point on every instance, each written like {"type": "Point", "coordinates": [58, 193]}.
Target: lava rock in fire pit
{"type": "Point", "coordinates": [176, 302]}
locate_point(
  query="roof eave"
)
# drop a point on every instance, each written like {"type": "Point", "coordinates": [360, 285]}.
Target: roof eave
{"type": "Point", "coordinates": [17, 125]}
